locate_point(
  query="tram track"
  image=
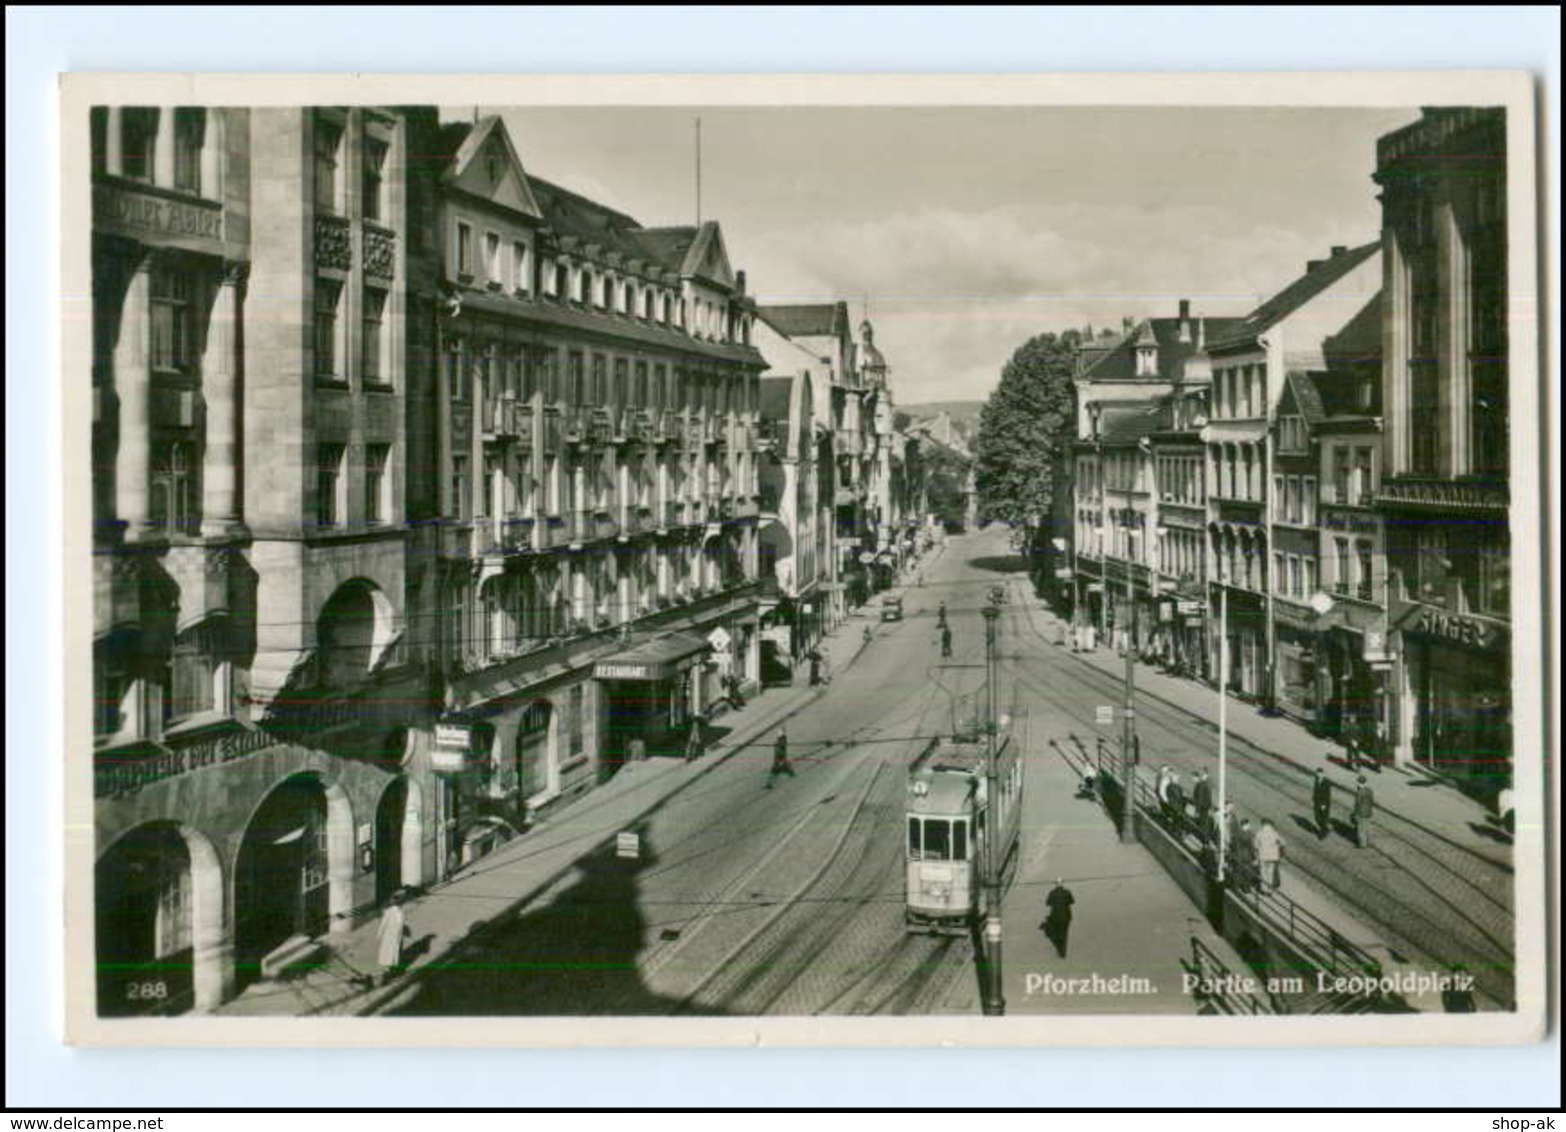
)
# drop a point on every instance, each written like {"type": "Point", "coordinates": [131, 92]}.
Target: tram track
{"type": "Point", "coordinates": [1477, 935]}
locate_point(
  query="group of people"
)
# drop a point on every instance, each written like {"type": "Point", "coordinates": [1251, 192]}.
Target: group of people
{"type": "Point", "coordinates": [1360, 813]}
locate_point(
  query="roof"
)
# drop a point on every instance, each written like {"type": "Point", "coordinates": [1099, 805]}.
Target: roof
{"type": "Point", "coordinates": [807, 319]}
{"type": "Point", "coordinates": [1132, 425]}
{"type": "Point", "coordinates": [775, 395]}
{"type": "Point", "coordinates": [1317, 279]}
{"type": "Point", "coordinates": [1117, 360]}
{"type": "Point", "coordinates": [1307, 399]}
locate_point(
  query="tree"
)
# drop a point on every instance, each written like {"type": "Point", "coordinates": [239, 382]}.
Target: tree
{"type": "Point", "coordinates": [1026, 429]}
{"type": "Point", "coordinates": [945, 481]}
{"type": "Point", "coordinates": [901, 421]}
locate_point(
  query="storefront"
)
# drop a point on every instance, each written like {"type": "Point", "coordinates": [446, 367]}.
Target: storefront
{"type": "Point", "coordinates": [1458, 680]}
{"type": "Point", "coordinates": [1246, 623]}
{"type": "Point", "coordinates": [651, 691]}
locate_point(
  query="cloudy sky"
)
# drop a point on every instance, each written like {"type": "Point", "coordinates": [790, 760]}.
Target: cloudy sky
{"type": "Point", "coordinates": [968, 230]}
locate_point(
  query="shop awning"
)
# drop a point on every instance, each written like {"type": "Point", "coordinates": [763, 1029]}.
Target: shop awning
{"type": "Point", "coordinates": [658, 658]}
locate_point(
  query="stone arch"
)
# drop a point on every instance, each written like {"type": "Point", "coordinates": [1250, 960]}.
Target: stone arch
{"type": "Point", "coordinates": [293, 874]}
{"type": "Point", "coordinates": [162, 939]}
{"type": "Point", "coordinates": [399, 838]}
{"type": "Point", "coordinates": [355, 628]}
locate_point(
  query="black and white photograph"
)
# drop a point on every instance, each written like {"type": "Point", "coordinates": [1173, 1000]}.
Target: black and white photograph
{"type": "Point", "coordinates": [1006, 560]}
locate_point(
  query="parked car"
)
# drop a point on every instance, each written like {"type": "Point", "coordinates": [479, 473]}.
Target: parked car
{"type": "Point", "coordinates": [891, 607]}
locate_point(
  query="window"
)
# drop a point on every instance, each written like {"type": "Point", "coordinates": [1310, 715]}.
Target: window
{"type": "Point", "coordinates": [461, 502]}
{"type": "Point", "coordinates": [576, 393]}
{"type": "Point", "coordinates": [1295, 585]}
{"type": "Point", "coordinates": [190, 124]}
{"type": "Point", "coordinates": [328, 141]}
{"type": "Point", "coordinates": [464, 250]}
{"type": "Point", "coordinates": [1309, 583]}
{"type": "Point", "coordinates": [621, 394]}
{"type": "Point", "coordinates": [173, 322]}
{"type": "Point", "coordinates": [1495, 577]}
{"type": "Point", "coordinates": [492, 272]}
{"type": "Point", "coordinates": [328, 484]}
{"type": "Point", "coordinates": [194, 674]}
{"type": "Point", "coordinates": [456, 374]}
{"type": "Point", "coordinates": [562, 282]}
{"type": "Point", "coordinates": [138, 142]}
{"type": "Point", "coordinates": [1340, 477]}
{"type": "Point", "coordinates": [639, 390]}
{"type": "Point", "coordinates": [1308, 501]}
{"type": "Point", "coordinates": [1280, 578]}
{"type": "Point", "coordinates": [376, 503]}
{"type": "Point", "coordinates": [370, 361]}
{"type": "Point", "coordinates": [574, 716]}
{"type": "Point", "coordinates": [1363, 488]}
{"type": "Point", "coordinates": [372, 180]}
{"type": "Point", "coordinates": [520, 283]}
{"type": "Point", "coordinates": [1343, 566]}
{"type": "Point", "coordinates": [173, 503]}
{"type": "Point", "coordinates": [1365, 551]}
{"type": "Point", "coordinates": [600, 390]}
{"type": "Point", "coordinates": [328, 292]}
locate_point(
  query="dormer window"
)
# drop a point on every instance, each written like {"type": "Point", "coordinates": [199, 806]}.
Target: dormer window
{"type": "Point", "coordinates": [1147, 361]}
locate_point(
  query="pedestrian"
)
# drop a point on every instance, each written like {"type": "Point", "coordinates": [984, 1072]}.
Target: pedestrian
{"type": "Point", "coordinates": [636, 749]}
{"type": "Point", "coordinates": [1176, 800]}
{"type": "Point", "coordinates": [867, 634]}
{"type": "Point", "coordinates": [1364, 807]}
{"type": "Point", "coordinates": [1321, 803]}
{"type": "Point", "coordinates": [780, 763]}
{"type": "Point", "coordinates": [693, 742]}
{"type": "Point", "coordinates": [1057, 918]}
{"type": "Point", "coordinates": [1243, 856]}
{"type": "Point", "coordinates": [815, 667]}
{"type": "Point", "coordinates": [390, 936]}
{"type": "Point", "coordinates": [1351, 747]}
{"type": "Point", "coordinates": [1269, 854]}
{"type": "Point", "coordinates": [1161, 790]}
{"type": "Point", "coordinates": [940, 614]}
{"type": "Point", "coordinates": [1202, 799]}
{"type": "Point", "coordinates": [946, 641]}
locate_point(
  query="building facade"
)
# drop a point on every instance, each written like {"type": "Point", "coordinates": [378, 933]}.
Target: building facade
{"type": "Point", "coordinates": [258, 780]}
{"type": "Point", "coordinates": [1263, 487]}
{"type": "Point", "coordinates": [586, 551]}
{"type": "Point", "coordinates": [1444, 492]}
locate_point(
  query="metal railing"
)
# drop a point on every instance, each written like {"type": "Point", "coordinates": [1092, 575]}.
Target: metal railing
{"type": "Point", "coordinates": [1308, 932]}
{"type": "Point", "coordinates": [1219, 987]}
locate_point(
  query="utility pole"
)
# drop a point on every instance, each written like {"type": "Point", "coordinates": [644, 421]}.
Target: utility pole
{"type": "Point", "coordinates": [1128, 712]}
{"type": "Point", "coordinates": [994, 1000]}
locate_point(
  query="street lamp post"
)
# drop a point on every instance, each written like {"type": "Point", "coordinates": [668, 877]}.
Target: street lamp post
{"type": "Point", "coordinates": [994, 1000]}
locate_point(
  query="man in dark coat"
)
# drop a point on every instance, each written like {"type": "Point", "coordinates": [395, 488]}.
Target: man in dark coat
{"type": "Point", "coordinates": [1321, 803]}
{"type": "Point", "coordinates": [946, 641]}
{"type": "Point", "coordinates": [780, 763]}
{"type": "Point", "coordinates": [1057, 919]}
{"type": "Point", "coordinates": [1202, 799]}
{"type": "Point", "coordinates": [1364, 807]}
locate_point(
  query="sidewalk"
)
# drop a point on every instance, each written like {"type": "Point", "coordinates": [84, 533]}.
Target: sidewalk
{"type": "Point", "coordinates": [1131, 925]}
{"type": "Point", "coordinates": [525, 870]}
{"type": "Point", "coordinates": [1425, 801]}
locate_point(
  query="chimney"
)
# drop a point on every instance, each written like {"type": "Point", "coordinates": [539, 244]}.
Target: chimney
{"type": "Point", "coordinates": [1339, 249]}
{"type": "Point", "coordinates": [1201, 334]}
{"type": "Point", "coordinates": [1185, 321]}
{"type": "Point", "coordinates": [739, 282]}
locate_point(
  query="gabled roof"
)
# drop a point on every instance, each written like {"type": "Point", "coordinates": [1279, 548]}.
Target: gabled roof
{"type": "Point", "coordinates": [1316, 280]}
{"type": "Point", "coordinates": [1118, 361]}
{"type": "Point", "coordinates": [775, 394]}
{"type": "Point", "coordinates": [571, 215]}
{"type": "Point", "coordinates": [466, 144]}
{"type": "Point", "coordinates": [796, 320]}
{"type": "Point", "coordinates": [1122, 425]}
{"type": "Point", "coordinates": [1301, 389]}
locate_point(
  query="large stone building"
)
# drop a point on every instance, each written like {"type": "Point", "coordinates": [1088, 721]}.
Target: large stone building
{"type": "Point", "coordinates": [258, 782]}
{"type": "Point", "coordinates": [1262, 484]}
{"type": "Point", "coordinates": [585, 556]}
{"type": "Point", "coordinates": [1444, 491]}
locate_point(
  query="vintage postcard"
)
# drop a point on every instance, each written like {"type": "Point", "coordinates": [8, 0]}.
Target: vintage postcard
{"type": "Point", "coordinates": [895, 560]}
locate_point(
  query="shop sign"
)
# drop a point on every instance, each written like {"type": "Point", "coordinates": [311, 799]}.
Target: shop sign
{"type": "Point", "coordinates": [1104, 715]}
{"type": "Point", "coordinates": [1457, 627]}
{"type": "Point", "coordinates": [628, 846]}
{"type": "Point", "coordinates": [1188, 608]}
{"type": "Point", "coordinates": [866, 558]}
{"type": "Point", "coordinates": [1064, 574]}
{"type": "Point", "coordinates": [1096, 588]}
{"type": "Point", "coordinates": [1376, 647]}
{"type": "Point", "coordinates": [614, 670]}
{"type": "Point", "coordinates": [452, 744]}
{"type": "Point", "coordinates": [1166, 611]}
{"type": "Point", "coordinates": [119, 774]}
{"type": "Point", "coordinates": [720, 639]}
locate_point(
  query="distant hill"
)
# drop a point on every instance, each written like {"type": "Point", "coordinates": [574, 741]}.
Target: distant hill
{"type": "Point", "coordinates": [957, 410]}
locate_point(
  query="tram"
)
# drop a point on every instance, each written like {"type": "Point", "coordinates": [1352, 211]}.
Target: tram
{"type": "Point", "coordinates": [950, 818]}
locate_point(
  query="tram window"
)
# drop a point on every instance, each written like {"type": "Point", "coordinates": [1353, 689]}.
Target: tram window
{"type": "Point", "coordinates": [915, 846]}
{"type": "Point", "coordinates": [959, 841]}
{"type": "Point", "coordinates": [937, 840]}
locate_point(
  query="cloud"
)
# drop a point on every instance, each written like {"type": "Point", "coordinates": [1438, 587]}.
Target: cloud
{"type": "Point", "coordinates": [953, 293]}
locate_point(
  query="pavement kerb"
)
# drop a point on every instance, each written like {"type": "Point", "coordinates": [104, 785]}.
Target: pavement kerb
{"type": "Point", "coordinates": [1281, 757]}
{"type": "Point", "coordinates": [732, 744]}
